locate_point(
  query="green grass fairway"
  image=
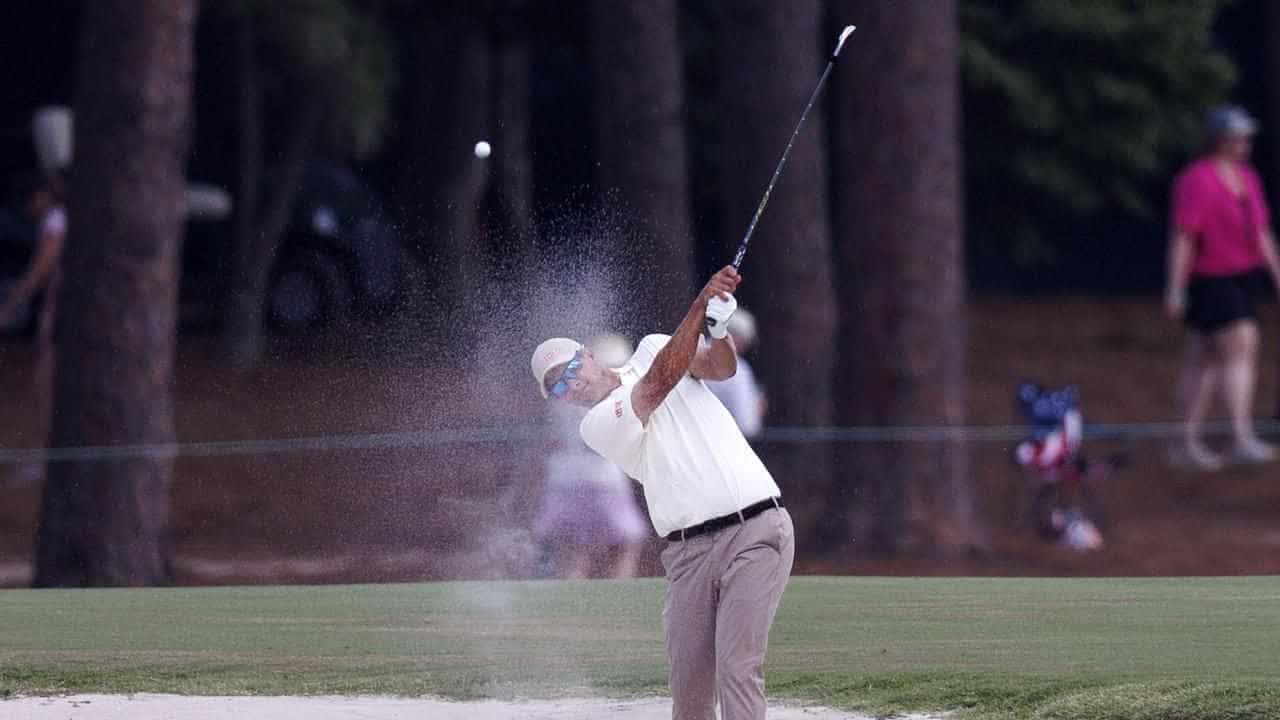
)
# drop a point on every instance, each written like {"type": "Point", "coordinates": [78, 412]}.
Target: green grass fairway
{"type": "Point", "coordinates": [1177, 649]}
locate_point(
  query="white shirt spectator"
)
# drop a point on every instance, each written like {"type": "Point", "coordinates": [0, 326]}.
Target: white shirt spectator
{"type": "Point", "coordinates": [742, 397]}
{"type": "Point", "coordinates": [691, 458]}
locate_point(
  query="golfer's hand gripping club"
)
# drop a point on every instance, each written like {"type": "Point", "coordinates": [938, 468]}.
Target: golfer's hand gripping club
{"type": "Point", "coordinates": [720, 303]}
{"type": "Point", "coordinates": [719, 310]}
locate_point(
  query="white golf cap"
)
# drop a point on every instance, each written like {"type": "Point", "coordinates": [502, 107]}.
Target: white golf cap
{"type": "Point", "coordinates": [550, 354]}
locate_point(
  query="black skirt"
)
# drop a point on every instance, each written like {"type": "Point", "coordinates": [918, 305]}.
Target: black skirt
{"type": "Point", "coordinates": [1216, 301]}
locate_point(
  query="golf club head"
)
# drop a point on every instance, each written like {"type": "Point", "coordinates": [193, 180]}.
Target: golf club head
{"type": "Point", "coordinates": [844, 35]}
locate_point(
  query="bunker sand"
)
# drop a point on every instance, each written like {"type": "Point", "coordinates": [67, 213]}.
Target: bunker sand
{"type": "Point", "coordinates": [158, 707]}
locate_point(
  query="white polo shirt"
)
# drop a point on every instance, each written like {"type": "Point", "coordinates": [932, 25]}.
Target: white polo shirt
{"type": "Point", "coordinates": [691, 457]}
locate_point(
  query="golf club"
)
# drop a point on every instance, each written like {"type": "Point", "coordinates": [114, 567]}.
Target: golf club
{"type": "Point", "coordinates": [746, 239]}
{"type": "Point", "coordinates": [751, 228]}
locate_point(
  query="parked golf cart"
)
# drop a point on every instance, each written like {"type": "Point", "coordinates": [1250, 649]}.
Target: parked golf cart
{"type": "Point", "coordinates": [340, 259]}
{"type": "Point", "coordinates": [339, 256]}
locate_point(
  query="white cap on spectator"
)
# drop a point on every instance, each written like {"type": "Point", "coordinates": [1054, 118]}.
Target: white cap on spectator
{"type": "Point", "coordinates": [742, 325]}
{"type": "Point", "coordinates": [1230, 120]}
{"type": "Point", "coordinates": [611, 349]}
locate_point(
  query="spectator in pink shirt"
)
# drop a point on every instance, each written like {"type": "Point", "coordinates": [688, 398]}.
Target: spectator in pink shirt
{"type": "Point", "coordinates": [1220, 255]}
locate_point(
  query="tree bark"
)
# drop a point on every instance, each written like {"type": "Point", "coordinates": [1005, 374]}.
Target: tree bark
{"type": "Point", "coordinates": [474, 63]}
{"type": "Point", "coordinates": [1271, 21]}
{"type": "Point", "coordinates": [242, 320]}
{"type": "Point", "coordinates": [768, 62]}
{"type": "Point", "coordinates": [507, 215]}
{"type": "Point", "coordinates": [641, 160]}
{"type": "Point", "coordinates": [106, 522]}
{"type": "Point", "coordinates": [448, 110]}
{"type": "Point", "coordinates": [899, 229]}
{"type": "Point", "coordinates": [259, 229]}
{"type": "Point", "coordinates": [513, 157]}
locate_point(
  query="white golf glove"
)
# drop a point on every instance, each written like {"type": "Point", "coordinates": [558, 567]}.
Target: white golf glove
{"type": "Point", "coordinates": [719, 311]}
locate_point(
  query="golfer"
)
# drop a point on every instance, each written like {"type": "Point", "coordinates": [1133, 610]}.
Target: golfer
{"type": "Point", "coordinates": [730, 542]}
{"type": "Point", "coordinates": [1221, 256]}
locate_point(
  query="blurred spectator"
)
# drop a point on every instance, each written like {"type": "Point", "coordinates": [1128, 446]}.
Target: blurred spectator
{"type": "Point", "coordinates": [1064, 507]}
{"type": "Point", "coordinates": [1220, 255]}
{"type": "Point", "coordinates": [588, 505]}
{"type": "Point", "coordinates": [741, 394]}
{"type": "Point", "coordinates": [45, 198]}
{"type": "Point", "coordinates": [44, 202]}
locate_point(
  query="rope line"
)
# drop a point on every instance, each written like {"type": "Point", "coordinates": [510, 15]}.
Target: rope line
{"type": "Point", "coordinates": [525, 433]}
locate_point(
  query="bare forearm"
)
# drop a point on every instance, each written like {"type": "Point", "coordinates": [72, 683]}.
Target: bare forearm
{"type": "Point", "coordinates": [40, 274]}
{"type": "Point", "coordinates": [1267, 241]}
{"type": "Point", "coordinates": [1179, 264]}
{"type": "Point", "coordinates": [716, 361]}
{"type": "Point", "coordinates": [673, 361]}
{"type": "Point", "coordinates": [28, 285]}
{"type": "Point", "coordinates": [37, 276]}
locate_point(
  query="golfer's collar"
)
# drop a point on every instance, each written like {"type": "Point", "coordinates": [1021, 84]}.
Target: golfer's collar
{"type": "Point", "coordinates": [626, 374]}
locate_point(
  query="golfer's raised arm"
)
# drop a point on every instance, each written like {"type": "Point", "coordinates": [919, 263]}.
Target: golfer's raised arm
{"type": "Point", "coordinates": [716, 360]}
{"type": "Point", "coordinates": [675, 359]}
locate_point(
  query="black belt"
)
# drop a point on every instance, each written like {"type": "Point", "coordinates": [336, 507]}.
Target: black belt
{"type": "Point", "coordinates": [720, 523]}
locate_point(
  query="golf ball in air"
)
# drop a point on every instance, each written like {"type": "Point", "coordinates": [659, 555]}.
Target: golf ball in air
{"type": "Point", "coordinates": [482, 149]}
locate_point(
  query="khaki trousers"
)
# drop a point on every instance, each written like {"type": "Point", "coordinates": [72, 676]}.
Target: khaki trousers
{"type": "Point", "coordinates": [723, 589]}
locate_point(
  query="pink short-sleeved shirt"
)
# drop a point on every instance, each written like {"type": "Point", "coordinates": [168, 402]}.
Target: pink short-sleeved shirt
{"type": "Point", "coordinates": [1223, 227]}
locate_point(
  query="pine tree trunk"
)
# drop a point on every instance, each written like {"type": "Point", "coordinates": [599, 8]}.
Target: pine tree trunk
{"type": "Point", "coordinates": [473, 64]}
{"type": "Point", "coordinates": [641, 156]}
{"type": "Point", "coordinates": [1272, 35]}
{"type": "Point", "coordinates": [768, 63]}
{"type": "Point", "coordinates": [106, 522]}
{"type": "Point", "coordinates": [243, 332]}
{"type": "Point", "coordinates": [260, 227]}
{"type": "Point", "coordinates": [512, 159]}
{"type": "Point", "coordinates": [448, 111]}
{"type": "Point", "coordinates": [509, 176]}
{"type": "Point", "coordinates": [899, 228]}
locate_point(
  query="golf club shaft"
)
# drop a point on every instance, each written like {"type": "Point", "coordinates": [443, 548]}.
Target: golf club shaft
{"type": "Point", "coordinates": [751, 228]}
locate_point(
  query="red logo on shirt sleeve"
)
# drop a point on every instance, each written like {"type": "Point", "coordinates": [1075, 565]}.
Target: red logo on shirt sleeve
{"type": "Point", "coordinates": [617, 408]}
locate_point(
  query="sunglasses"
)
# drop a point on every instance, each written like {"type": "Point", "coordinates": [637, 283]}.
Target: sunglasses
{"type": "Point", "coordinates": [570, 372]}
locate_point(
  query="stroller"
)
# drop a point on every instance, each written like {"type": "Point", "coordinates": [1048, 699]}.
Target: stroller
{"type": "Point", "coordinates": [1064, 503]}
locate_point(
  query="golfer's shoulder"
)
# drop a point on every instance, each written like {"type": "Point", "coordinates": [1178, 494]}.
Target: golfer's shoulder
{"type": "Point", "coordinates": [610, 423]}
{"type": "Point", "coordinates": [653, 342]}
{"type": "Point", "coordinates": [646, 350]}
